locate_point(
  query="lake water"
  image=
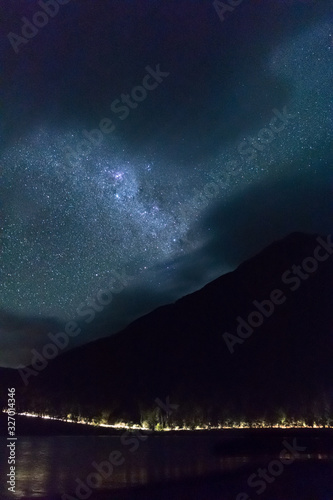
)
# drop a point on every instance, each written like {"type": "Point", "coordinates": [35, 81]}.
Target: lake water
{"type": "Point", "coordinates": [48, 466]}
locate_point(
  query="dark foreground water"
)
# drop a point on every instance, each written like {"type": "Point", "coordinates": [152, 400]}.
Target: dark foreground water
{"type": "Point", "coordinates": [168, 466]}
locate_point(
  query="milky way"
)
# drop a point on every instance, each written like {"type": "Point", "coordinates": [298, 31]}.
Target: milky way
{"type": "Point", "coordinates": [66, 228]}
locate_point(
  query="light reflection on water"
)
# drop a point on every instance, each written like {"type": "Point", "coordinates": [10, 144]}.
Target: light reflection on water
{"type": "Point", "coordinates": [49, 465]}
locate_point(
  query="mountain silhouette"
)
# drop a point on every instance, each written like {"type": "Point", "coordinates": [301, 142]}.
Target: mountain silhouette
{"type": "Point", "coordinates": [279, 368]}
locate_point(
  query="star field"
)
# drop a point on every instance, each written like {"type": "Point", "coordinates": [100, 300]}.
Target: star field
{"type": "Point", "coordinates": [66, 228]}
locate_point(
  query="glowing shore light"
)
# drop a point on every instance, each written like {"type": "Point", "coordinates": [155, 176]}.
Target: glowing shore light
{"type": "Point", "coordinates": [299, 424]}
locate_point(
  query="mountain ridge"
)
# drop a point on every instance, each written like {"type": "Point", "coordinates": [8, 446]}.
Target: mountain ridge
{"type": "Point", "coordinates": [282, 369]}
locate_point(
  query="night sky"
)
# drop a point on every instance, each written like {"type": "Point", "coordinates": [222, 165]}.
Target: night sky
{"type": "Point", "coordinates": [185, 184]}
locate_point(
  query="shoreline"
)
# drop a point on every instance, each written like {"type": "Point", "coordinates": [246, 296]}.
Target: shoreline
{"type": "Point", "coordinates": [39, 426]}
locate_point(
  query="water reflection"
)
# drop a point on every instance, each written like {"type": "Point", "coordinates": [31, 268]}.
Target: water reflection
{"type": "Point", "coordinates": [50, 465]}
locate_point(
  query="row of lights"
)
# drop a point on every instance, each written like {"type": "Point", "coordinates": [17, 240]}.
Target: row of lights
{"type": "Point", "coordinates": [242, 425]}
